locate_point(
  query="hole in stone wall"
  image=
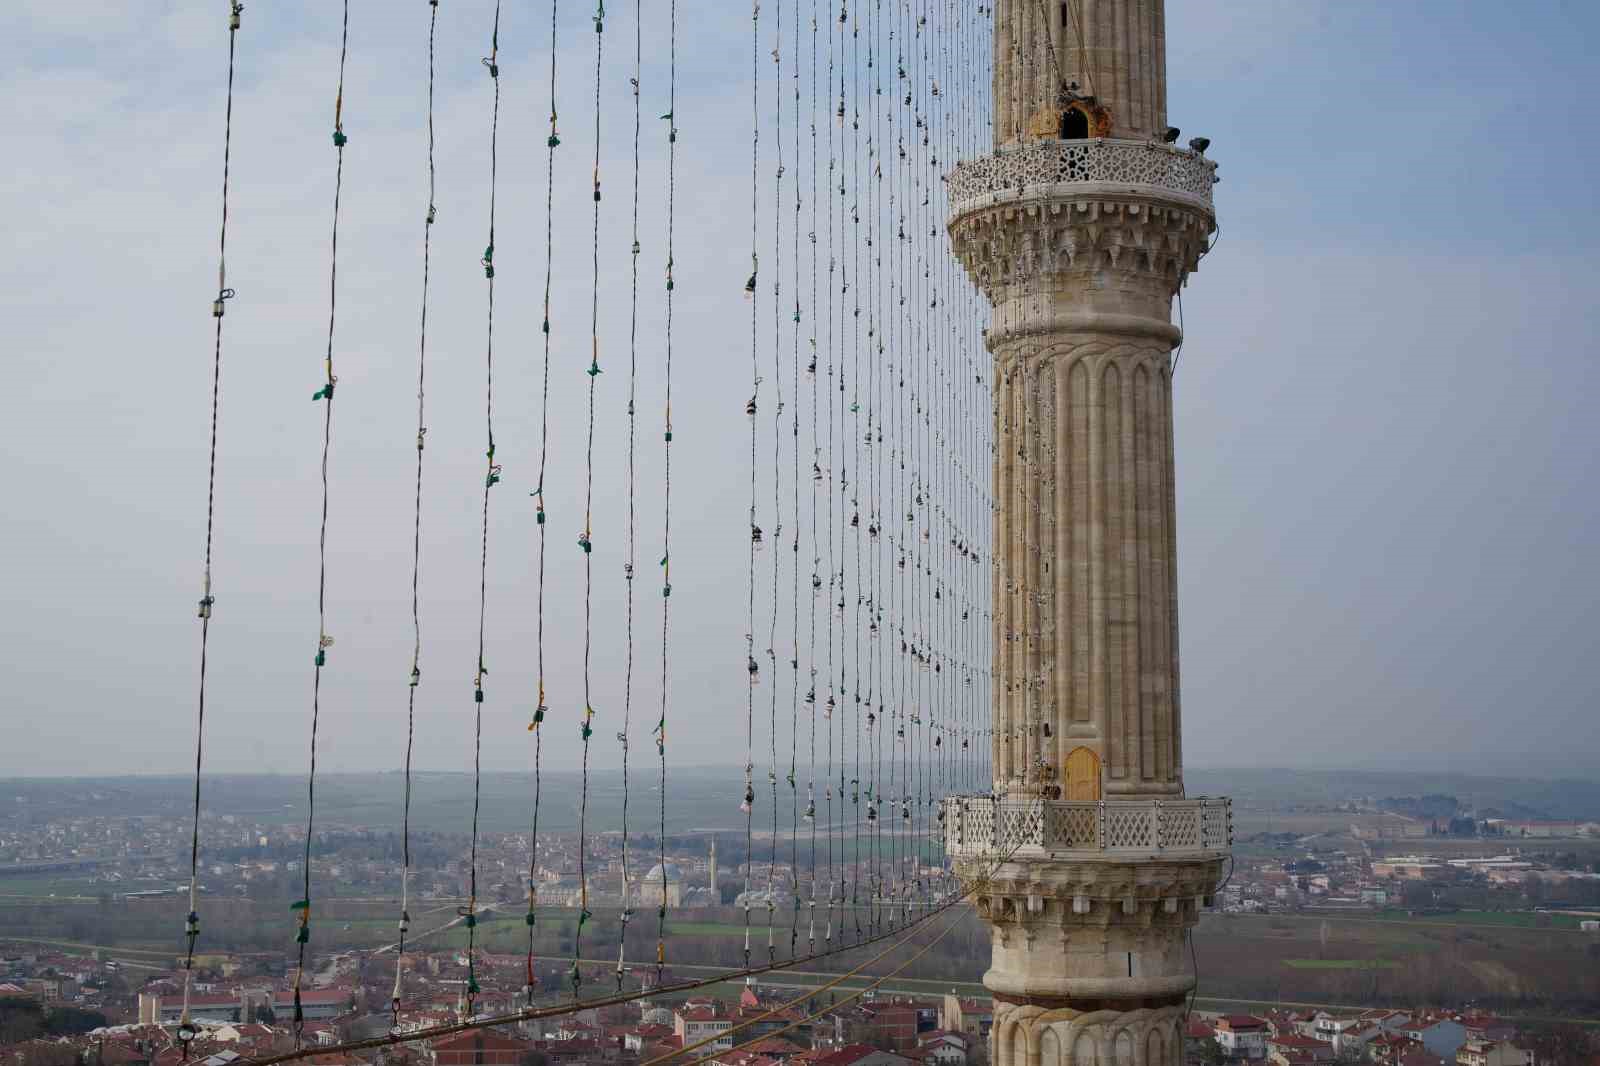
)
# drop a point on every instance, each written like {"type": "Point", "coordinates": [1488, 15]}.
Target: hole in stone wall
{"type": "Point", "coordinates": [1074, 125]}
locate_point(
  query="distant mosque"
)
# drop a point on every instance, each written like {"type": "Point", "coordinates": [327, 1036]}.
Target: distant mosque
{"type": "Point", "coordinates": [663, 885]}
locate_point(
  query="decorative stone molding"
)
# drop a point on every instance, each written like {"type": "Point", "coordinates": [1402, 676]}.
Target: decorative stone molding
{"type": "Point", "coordinates": [1029, 1035]}
{"type": "Point", "coordinates": [1029, 240]}
{"type": "Point", "coordinates": [1103, 163]}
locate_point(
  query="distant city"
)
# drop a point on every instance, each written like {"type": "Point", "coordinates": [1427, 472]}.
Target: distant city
{"type": "Point", "coordinates": [1403, 927]}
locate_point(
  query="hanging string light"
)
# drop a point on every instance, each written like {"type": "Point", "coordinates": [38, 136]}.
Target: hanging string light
{"type": "Point", "coordinates": [552, 142]}
{"type": "Point", "coordinates": [302, 906]}
{"type": "Point", "coordinates": [585, 539]}
{"type": "Point", "coordinates": [666, 534]}
{"type": "Point", "coordinates": [852, 433]}
{"type": "Point", "coordinates": [878, 354]}
{"type": "Point", "coordinates": [817, 478]}
{"type": "Point", "coordinates": [747, 805]}
{"type": "Point", "coordinates": [191, 927]}
{"type": "Point", "coordinates": [415, 678]}
{"type": "Point", "coordinates": [626, 914]}
{"type": "Point", "coordinates": [491, 478]}
{"type": "Point", "coordinates": [835, 835]}
{"type": "Point", "coordinates": [794, 452]}
{"type": "Point", "coordinates": [852, 58]}
{"type": "Point", "coordinates": [777, 469]}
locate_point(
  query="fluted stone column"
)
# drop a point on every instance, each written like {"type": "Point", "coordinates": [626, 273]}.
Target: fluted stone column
{"type": "Point", "coordinates": [1090, 862]}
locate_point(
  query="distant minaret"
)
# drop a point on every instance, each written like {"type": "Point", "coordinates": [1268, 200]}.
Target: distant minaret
{"type": "Point", "coordinates": [715, 899]}
{"type": "Point", "coordinates": [1091, 862]}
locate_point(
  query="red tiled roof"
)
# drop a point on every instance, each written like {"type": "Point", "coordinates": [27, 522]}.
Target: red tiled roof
{"type": "Point", "coordinates": [491, 1041]}
{"type": "Point", "coordinates": [846, 1055]}
{"type": "Point", "coordinates": [1241, 1021]}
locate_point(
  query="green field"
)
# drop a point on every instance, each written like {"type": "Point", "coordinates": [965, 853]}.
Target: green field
{"type": "Point", "coordinates": [717, 928]}
{"type": "Point", "coordinates": [1513, 919]}
{"type": "Point", "coordinates": [1341, 964]}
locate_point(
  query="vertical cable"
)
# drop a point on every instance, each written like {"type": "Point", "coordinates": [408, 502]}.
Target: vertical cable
{"type": "Point", "coordinates": [627, 568]}
{"type": "Point", "coordinates": [817, 478]}
{"type": "Point", "coordinates": [794, 454]}
{"type": "Point", "coordinates": [191, 927]}
{"type": "Point", "coordinates": [585, 540]}
{"type": "Point", "coordinates": [324, 641]}
{"type": "Point", "coordinates": [754, 669]}
{"type": "Point", "coordinates": [777, 469]}
{"type": "Point", "coordinates": [416, 548]}
{"type": "Point", "coordinates": [491, 478]}
{"type": "Point", "coordinates": [829, 706]}
{"type": "Point", "coordinates": [552, 142]}
{"type": "Point", "coordinates": [666, 510]}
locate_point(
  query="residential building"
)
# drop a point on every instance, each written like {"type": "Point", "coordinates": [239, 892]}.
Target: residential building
{"type": "Point", "coordinates": [1492, 1053]}
{"type": "Point", "coordinates": [696, 1022]}
{"type": "Point", "coordinates": [481, 1047]}
{"type": "Point", "coordinates": [1242, 1036]}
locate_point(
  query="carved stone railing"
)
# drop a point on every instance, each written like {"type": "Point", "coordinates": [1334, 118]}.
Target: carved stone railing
{"type": "Point", "coordinates": [1101, 165]}
{"type": "Point", "coordinates": [984, 827]}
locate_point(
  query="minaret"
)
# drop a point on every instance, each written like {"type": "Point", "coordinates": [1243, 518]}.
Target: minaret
{"type": "Point", "coordinates": [716, 900]}
{"type": "Point", "coordinates": [1090, 862]}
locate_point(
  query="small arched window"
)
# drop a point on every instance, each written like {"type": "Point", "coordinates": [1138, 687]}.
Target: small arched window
{"type": "Point", "coordinates": [1074, 124]}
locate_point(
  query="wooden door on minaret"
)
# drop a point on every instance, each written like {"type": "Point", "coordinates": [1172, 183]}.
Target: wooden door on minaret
{"type": "Point", "coordinates": [1083, 775]}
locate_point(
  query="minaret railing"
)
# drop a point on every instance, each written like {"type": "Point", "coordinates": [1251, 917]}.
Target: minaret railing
{"type": "Point", "coordinates": [986, 826]}
{"type": "Point", "coordinates": [1143, 166]}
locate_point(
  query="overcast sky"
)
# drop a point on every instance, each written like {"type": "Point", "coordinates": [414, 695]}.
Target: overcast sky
{"type": "Point", "coordinates": [1387, 506]}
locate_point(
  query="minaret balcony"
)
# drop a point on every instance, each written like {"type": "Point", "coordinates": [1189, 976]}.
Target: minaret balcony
{"type": "Point", "coordinates": [1004, 830]}
{"type": "Point", "coordinates": [1083, 169]}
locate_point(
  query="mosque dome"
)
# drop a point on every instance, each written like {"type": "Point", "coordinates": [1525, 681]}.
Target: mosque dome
{"type": "Point", "coordinates": [674, 875]}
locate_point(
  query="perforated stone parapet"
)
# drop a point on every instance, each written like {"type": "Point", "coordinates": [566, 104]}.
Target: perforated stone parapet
{"type": "Point", "coordinates": [983, 827]}
{"type": "Point", "coordinates": [1157, 169]}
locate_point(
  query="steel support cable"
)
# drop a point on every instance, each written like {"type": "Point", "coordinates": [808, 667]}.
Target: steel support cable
{"type": "Point", "coordinates": [303, 906]}
{"type": "Point", "coordinates": [490, 479]}
{"type": "Point", "coordinates": [552, 142]}
{"type": "Point", "coordinates": [191, 928]}
{"type": "Point", "coordinates": [585, 540]}
{"type": "Point", "coordinates": [666, 509]}
{"type": "Point", "coordinates": [530, 1014]}
{"type": "Point", "coordinates": [416, 545]}
{"type": "Point", "coordinates": [849, 998]}
{"type": "Point", "coordinates": [628, 566]}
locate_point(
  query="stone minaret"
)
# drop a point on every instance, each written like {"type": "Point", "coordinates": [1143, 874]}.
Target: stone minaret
{"type": "Point", "coordinates": [1089, 861]}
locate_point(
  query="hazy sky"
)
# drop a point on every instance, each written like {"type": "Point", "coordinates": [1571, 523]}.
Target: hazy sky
{"type": "Point", "coordinates": [1387, 508]}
